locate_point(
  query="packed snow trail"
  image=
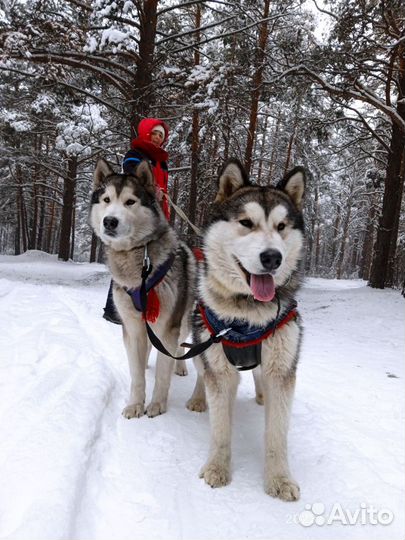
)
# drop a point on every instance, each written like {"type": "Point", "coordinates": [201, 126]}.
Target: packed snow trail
{"type": "Point", "coordinates": [72, 468]}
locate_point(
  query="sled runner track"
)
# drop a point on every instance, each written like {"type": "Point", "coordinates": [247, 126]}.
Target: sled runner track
{"type": "Point", "coordinates": [51, 410]}
{"type": "Point", "coordinates": [118, 441]}
{"type": "Point", "coordinates": [97, 442]}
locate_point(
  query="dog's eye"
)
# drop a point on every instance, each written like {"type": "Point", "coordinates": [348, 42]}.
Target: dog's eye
{"type": "Point", "coordinates": [281, 226]}
{"type": "Point", "coordinates": [130, 202]}
{"type": "Point", "coordinates": [246, 223]}
{"type": "Point", "coordinates": [106, 199]}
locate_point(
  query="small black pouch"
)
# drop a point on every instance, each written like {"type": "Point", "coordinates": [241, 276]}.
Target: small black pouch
{"type": "Point", "coordinates": [244, 358]}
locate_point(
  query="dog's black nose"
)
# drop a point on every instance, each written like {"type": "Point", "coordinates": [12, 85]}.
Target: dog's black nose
{"type": "Point", "coordinates": [271, 259]}
{"type": "Point", "coordinates": [110, 223]}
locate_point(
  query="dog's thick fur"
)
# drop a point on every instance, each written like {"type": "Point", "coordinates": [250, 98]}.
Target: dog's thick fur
{"type": "Point", "coordinates": [130, 201]}
{"type": "Point", "coordinates": [248, 221]}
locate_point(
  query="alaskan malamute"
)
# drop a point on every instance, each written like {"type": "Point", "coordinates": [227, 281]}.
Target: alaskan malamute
{"type": "Point", "coordinates": [127, 217]}
{"type": "Point", "coordinates": [253, 250]}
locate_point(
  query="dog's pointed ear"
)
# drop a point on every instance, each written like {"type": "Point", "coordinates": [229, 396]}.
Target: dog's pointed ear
{"type": "Point", "coordinates": [145, 175]}
{"type": "Point", "coordinates": [233, 176]}
{"type": "Point", "coordinates": [103, 170]}
{"type": "Point", "coordinates": [293, 184]}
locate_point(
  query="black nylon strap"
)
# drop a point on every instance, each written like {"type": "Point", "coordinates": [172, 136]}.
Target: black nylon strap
{"type": "Point", "coordinates": [194, 351]}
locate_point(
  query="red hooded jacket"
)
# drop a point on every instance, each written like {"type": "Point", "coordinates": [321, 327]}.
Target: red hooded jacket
{"type": "Point", "coordinates": [142, 148]}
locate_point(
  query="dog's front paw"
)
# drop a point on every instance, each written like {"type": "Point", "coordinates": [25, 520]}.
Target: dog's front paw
{"type": "Point", "coordinates": [216, 474]}
{"type": "Point", "coordinates": [282, 487]}
{"type": "Point", "coordinates": [181, 368]}
{"type": "Point", "coordinates": [259, 398]}
{"type": "Point", "coordinates": [155, 408]}
{"type": "Point", "coordinates": [136, 410]}
{"type": "Point", "coordinates": [196, 405]}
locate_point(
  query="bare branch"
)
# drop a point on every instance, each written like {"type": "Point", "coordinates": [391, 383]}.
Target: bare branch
{"type": "Point", "coordinates": [237, 31]}
{"type": "Point", "coordinates": [181, 34]}
{"type": "Point", "coordinates": [97, 58]}
{"type": "Point", "coordinates": [369, 128]}
{"type": "Point", "coordinates": [179, 6]}
{"type": "Point", "coordinates": [325, 11]}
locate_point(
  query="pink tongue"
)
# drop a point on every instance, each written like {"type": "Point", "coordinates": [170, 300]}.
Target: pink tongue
{"type": "Point", "coordinates": [262, 287]}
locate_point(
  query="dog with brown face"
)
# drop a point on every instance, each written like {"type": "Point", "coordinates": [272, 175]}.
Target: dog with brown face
{"type": "Point", "coordinates": [128, 219]}
{"type": "Point", "coordinates": [253, 249]}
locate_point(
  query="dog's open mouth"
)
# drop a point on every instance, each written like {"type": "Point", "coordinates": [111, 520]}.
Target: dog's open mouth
{"type": "Point", "coordinates": [261, 285]}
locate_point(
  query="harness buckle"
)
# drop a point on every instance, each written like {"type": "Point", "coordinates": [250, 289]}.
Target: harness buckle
{"type": "Point", "coordinates": [147, 266]}
{"type": "Point", "coordinates": [220, 334]}
{"type": "Point", "coordinates": [146, 263]}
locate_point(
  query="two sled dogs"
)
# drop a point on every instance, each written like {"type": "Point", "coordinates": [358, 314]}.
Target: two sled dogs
{"type": "Point", "coordinates": [253, 250]}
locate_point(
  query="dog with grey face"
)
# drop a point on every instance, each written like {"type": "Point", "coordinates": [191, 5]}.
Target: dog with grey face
{"type": "Point", "coordinates": [126, 216]}
{"type": "Point", "coordinates": [253, 250]}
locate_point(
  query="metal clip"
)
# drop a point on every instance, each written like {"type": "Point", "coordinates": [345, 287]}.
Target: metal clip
{"type": "Point", "coordinates": [222, 333]}
{"type": "Point", "coordinates": [146, 259]}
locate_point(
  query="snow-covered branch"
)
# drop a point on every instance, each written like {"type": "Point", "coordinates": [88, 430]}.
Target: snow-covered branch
{"type": "Point", "coordinates": [361, 93]}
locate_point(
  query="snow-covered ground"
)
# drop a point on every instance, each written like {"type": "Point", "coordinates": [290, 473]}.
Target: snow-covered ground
{"type": "Point", "coordinates": [72, 468]}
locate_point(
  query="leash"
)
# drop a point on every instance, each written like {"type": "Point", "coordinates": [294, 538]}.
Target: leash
{"type": "Point", "coordinates": [153, 338]}
{"type": "Point", "coordinates": [183, 216]}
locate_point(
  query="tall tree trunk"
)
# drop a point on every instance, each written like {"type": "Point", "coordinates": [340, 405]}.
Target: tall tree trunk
{"type": "Point", "coordinates": [32, 241]}
{"type": "Point", "coordinates": [100, 255]}
{"type": "Point", "coordinates": [56, 235]}
{"type": "Point", "coordinates": [69, 185]}
{"type": "Point", "coordinates": [229, 112]}
{"type": "Point", "coordinates": [297, 112]}
{"type": "Point", "coordinates": [390, 279]}
{"type": "Point", "coordinates": [257, 85]}
{"type": "Point", "coordinates": [387, 223]}
{"type": "Point", "coordinates": [262, 147]}
{"type": "Point", "coordinates": [49, 234]}
{"type": "Point", "coordinates": [394, 182]}
{"type": "Point", "coordinates": [23, 215]}
{"type": "Point", "coordinates": [336, 227]}
{"type": "Point", "coordinates": [41, 223]}
{"type": "Point", "coordinates": [314, 235]}
{"type": "Point", "coordinates": [34, 225]}
{"type": "Point", "coordinates": [72, 243]}
{"type": "Point", "coordinates": [317, 245]}
{"type": "Point", "coordinates": [339, 272]}
{"type": "Point", "coordinates": [367, 250]}
{"type": "Point", "coordinates": [17, 237]}
{"type": "Point", "coordinates": [143, 96]}
{"type": "Point", "coordinates": [93, 248]}
{"type": "Point", "coordinates": [195, 144]}
{"type": "Point", "coordinates": [354, 256]}
{"type": "Point", "coordinates": [274, 148]}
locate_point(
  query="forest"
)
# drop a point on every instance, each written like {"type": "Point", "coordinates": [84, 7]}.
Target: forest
{"type": "Point", "coordinates": [274, 83]}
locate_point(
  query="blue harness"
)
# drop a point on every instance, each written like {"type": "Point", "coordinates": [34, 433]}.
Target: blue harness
{"type": "Point", "coordinates": [151, 282]}
{"type": "Point", "coordinates": [242, 341]}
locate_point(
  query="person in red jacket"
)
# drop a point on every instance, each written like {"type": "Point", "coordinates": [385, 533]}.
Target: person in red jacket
{"type": "Point", "coordinates": [152, 136]}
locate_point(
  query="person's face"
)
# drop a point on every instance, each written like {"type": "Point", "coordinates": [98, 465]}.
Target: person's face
{"type": "Point", "coordinates": [157, 138]}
